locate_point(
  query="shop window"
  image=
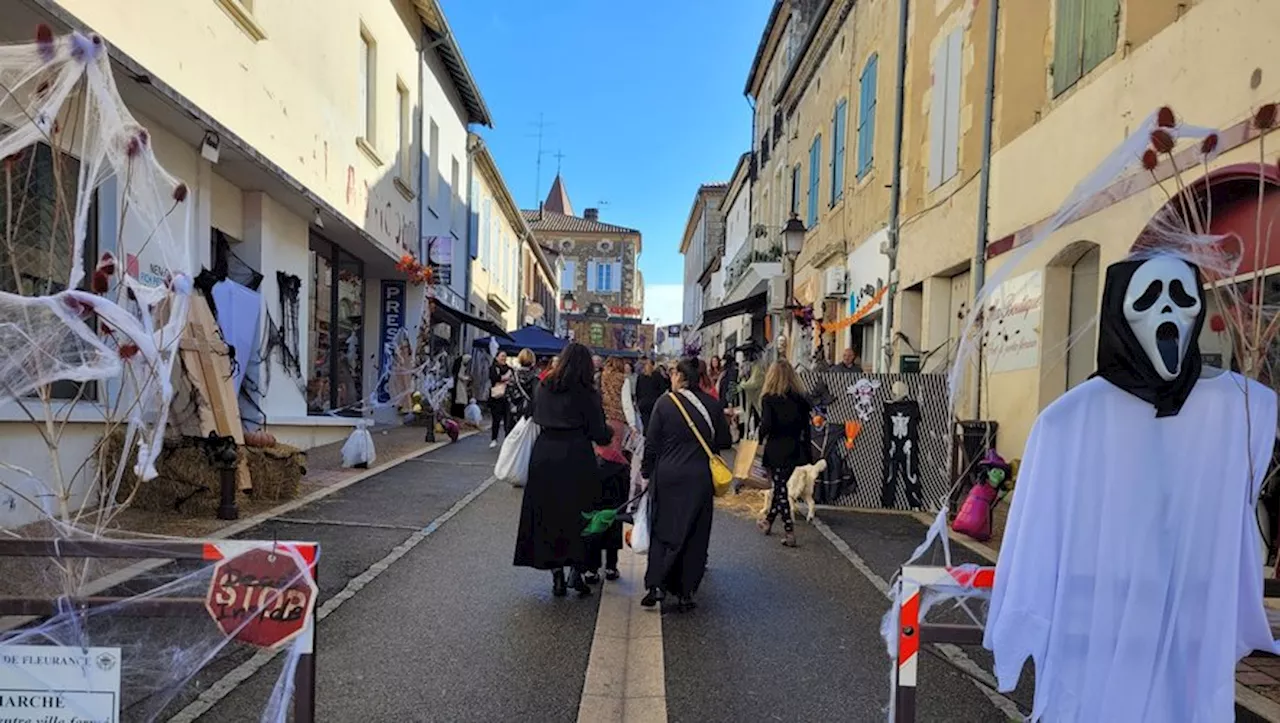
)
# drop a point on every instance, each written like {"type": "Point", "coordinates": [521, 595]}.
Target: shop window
{"type": "Point", "coordinates": [38, 192]}
{"type": "Point", "coordinates": [335, 375]}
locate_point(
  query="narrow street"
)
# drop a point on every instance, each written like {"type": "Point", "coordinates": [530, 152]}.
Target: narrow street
{"type": "Point", "coordinates": [423, 618]}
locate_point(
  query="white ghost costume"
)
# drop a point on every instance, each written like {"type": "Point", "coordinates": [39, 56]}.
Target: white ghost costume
{"type": "Point", "coordinates": [1130, 570]}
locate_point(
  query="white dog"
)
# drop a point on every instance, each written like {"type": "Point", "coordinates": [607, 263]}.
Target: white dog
{"type": "Point", "coordinates": [800, 487]}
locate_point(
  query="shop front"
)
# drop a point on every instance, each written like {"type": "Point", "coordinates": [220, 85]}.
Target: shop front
{"type": "Point", "coordinates": [335, 364]}
{"type": "Point", "coordinates": [867, 272]}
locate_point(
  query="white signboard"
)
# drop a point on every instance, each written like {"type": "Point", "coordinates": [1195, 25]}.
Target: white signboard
{"type": "Point", "coordinates": [1011, 329]}
{"type": "Point", "coordinates": [868, 271]}
{"type": "Point", "coordinates": [53, 684]}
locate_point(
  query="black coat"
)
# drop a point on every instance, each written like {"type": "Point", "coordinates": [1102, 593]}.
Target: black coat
{"type": "Point", "coordinates": [648, 388]}
{"type": "Point", "coordinates": [680, 491]}
{"type": "Point", "coordinates": [520, 392]}
{"type": "Point", "coordinates": [786, 428]}
{"type": "Point", "coordinates": [564, 479]}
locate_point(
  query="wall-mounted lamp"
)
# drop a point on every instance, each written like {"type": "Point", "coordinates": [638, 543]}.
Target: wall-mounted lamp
{"type": "Point", "coordinates": [209, 148]}
{"type": "Point", "coordinates": [316, 220]}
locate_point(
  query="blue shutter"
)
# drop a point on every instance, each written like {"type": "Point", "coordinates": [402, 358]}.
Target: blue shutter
{"type": "Point", "coordinates": [815, 173]}
{"type": "Point", "coordinates": [838, 124]}
{"type": "Point", "coordinates": [867, 116]}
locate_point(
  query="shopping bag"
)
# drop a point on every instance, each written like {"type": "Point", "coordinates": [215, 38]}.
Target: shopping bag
{"type": "Point", "coordinates": [517, 449]}
{"type": "Point", "coordinates": [640, 531]}
{"type": "Point", "coordinates": [743, 456]}
{"type": "Point", "coordinates": [472, 413]}
{"type": "Point", "coordinates": [358, 450]}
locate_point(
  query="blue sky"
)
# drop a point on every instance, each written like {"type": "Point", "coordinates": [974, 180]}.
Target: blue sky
{"type": "Point", "coordinates": [644, 99]}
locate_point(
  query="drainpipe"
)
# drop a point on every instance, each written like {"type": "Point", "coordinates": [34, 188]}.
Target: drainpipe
{"type": "Point", "coordinates": [984, 190]}
{"type": "Point", "coordinates": [895, 190]}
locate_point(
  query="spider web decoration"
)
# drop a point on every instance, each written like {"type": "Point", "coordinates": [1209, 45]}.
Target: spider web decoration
{"type": "Point", "coordinates": [290, 287]}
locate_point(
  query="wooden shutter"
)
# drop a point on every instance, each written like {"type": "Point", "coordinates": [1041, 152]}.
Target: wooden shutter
{"type": "Point", "coordinates": [591, 276]}
{"type": "Point", "coordinates": [616, 285]}
{"type": "Point", "coordinates": [1068, 41]}
{"type": "Point", "coordinates": [867, 116]}
{"type": "Point", "coordinates": [937, 111]}
{"type": "Point", "coordinates": [838, 125]}
{"type": "Point", "coordinates": [815, 161]}
{"type": "Point", "coordinates": [1101, 32]}
{"type": "Point", "coordinates": [951, 133]}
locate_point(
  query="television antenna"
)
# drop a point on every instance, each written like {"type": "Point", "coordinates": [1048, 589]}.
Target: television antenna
{"type": "Point", "coordinates": [541, 127]}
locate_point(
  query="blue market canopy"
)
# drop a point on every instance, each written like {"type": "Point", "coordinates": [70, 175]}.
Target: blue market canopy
{"type": "Point", "coordinates": [448, 313]}
{"type": "Point", "coordinates": [534, 338]}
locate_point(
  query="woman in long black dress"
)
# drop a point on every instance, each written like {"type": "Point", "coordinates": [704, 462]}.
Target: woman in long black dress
{"type": "Point", "coordinates": [680, 490]}
{"type": "Point", "coordinates": [564, 480]}
{"type": "Point", "coordinates": [787, 433]}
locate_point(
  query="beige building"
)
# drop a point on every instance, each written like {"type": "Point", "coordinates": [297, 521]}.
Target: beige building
{"type": "Point", "coordinates": [301, 132]}
{"type": "Point", "coordinates": [497, 262]}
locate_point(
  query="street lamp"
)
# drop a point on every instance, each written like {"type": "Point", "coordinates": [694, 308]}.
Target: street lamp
{"type": "Point", "coordinates": [793, 236]}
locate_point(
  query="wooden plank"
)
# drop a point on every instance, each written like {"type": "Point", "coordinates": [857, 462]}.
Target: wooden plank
{"type": "Point", "coordinates": [208, 364]}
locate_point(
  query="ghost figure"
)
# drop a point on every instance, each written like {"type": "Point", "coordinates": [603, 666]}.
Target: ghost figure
{"type": "Point", "coordinates": [1133, 521]}
{"type": "Point", "coordinates": [864, 396]}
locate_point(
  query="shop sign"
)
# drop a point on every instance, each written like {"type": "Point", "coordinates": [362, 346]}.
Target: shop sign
{"type": "Point", "coordinates": [392, 322]}
{"type": "Point", "coordinates": [625, 311]}
{"type": "Point", "coordinates": [70, 683]}
{"type": "Point", "coordinates": [1011, 327]}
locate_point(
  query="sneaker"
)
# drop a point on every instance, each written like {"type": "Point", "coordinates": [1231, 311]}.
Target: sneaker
{"type": "Point", "coordinates": [493, 444]}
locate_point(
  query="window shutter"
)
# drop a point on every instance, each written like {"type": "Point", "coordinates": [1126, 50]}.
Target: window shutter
{"type": "Point", "coordinates": [567, 281]}
{"type": "Point", "coordinates": [1101, 32]}
{"type": "Point", "coordinates": [951, 133]}
{"type": "Point", "coordinates": [1068, 37]}
{"type": "Point", "coordinates": [617, 276]}
{"type": "Point", "coordinates": [591, 276]}
{"type": "Point", "coordinates": [837, 151]}
{"type": "Point", "coordinates": [815, 173]}
{"type": "Point", "coordinates": [867, 116]}
{"type": "Point", "coordinates": [937, 112]}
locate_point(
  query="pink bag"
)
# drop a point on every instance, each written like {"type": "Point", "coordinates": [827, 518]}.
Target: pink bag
{"type": "Point", "coordinates": [974, 518]}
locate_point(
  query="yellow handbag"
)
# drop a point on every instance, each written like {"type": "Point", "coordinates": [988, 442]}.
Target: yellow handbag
{"type": "Point", "coordinates": [721, 475]}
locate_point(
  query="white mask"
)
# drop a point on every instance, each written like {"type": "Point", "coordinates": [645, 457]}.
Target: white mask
{"type": "Point", "coordinates": [1161, 306]}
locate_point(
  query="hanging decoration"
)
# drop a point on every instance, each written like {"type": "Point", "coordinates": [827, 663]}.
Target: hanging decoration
{"type": "Point", "coordinates": [289, 287]}
{"type": "Point", "coordinates": [418, 273]}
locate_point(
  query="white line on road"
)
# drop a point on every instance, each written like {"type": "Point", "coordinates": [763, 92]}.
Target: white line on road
{"type": "Point", "coordinates": [951, 652]}
{"type": "Point", "coordinates": [338, 523]}
{"type": "Point", "coordinates": [228, 683]}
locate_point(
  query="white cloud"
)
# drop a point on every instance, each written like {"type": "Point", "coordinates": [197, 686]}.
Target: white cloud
{"type": "Point", "coordinates": [664, 303]}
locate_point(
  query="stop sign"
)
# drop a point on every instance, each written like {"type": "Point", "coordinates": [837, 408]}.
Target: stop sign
{"type": "Point", "coordinates": [263, 597]}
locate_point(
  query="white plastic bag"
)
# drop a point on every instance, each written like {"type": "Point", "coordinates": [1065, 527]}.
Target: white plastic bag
{"type": "Point", "coordinates": [640, 530]}
{"type": "Point", "coordinates": [472, 413]}
{"type": "Point", "coordinates": [358, 450]}
{"type": "Point", "coordinates": [637, 459]}
{"type": "Point", "coordinates": [517, 449]}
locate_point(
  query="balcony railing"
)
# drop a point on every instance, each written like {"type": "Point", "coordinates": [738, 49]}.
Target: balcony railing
{"type": "Point", "coordinates": [746, 256]}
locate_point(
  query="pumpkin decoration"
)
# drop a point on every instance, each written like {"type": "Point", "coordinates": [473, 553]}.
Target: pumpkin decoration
{"type": "Point", "coordinates": [819, 420]}
{"type": "Point", "coordinates": [851, 430]}
{"type": "Point", "coordinates": [259, 438]}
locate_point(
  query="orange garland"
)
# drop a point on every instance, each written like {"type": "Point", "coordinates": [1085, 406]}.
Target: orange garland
{"type": "Point", "coordinates": [857, 316]}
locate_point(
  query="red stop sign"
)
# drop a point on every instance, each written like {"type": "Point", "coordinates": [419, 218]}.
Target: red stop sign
{"type": "Point", "coordinates": [263, 597]}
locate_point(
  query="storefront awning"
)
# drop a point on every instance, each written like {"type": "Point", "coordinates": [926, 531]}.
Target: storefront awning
{"type": "Point", "coordinates": [749, 305]}
{"type": "Point", "coordinates": [462, 317]}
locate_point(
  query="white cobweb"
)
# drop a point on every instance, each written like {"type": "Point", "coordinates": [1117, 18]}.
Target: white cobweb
{"type": "Point", "coordinates": [68, 144]}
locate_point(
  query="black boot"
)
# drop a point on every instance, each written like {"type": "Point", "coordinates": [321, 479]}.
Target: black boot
{"type": "Point", "coordinates": [558, 587]}
{"type": "Point", "coordinates": [653, 597]}
{"type": "Point", "coordinates": [578, 584]}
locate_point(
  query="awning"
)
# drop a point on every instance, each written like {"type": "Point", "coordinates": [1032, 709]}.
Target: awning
{"type": "Point", "coordinates": [534, 338]}
{"type": "Point", "coordinates": [463, 317]}
{"type": "Point", "coordinates": [749, 305]}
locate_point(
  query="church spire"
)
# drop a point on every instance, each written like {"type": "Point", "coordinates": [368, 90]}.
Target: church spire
{"type": "Point", "coordinates": [558, 199]}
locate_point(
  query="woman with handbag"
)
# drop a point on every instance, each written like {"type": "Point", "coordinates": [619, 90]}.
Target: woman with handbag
{"type": "Point", "coordinates": [785, 428]}
{"type": "Point", "coordinates": [499, 408]}
{"type": "Point", "coordinates": [564, 479]}
{"type": "Point", "coordinates": [524, 379]}
{"type": "Point", "coordinates": [686, 430]}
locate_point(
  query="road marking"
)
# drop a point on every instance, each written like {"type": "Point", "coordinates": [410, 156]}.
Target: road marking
{"type": "Point", "coordinates": [337, 523]}
{"type": "Point", "coordinates": [951, 652]}
{"type": "Point", "coordinates": [228, 683]}
{"type": "Point", "coordinates": [626, 677]}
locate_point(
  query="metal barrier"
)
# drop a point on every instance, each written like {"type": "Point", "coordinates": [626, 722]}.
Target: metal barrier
{"type": "Point", "coordinates": [304, 695]}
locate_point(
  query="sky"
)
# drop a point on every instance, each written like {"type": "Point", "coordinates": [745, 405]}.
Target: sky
{"type": "Point", "coordinates": [643, 99]}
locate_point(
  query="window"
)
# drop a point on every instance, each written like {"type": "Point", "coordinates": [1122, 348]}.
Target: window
{"type": "Point", "coordinates": [566, 276]}
{"type": "Point", "coordinates": [433, 166]}
{"type": "Point", "coordinates": [368, 86]}
{"type": "Point", "coordinates": [944, 115]}
{"type": "Point", "coordinates": [795, 190]}
{"type": "Point", "coordinates": [241, 12]}
{"type": "Point", "coordinates": [455, 207]}
{"type": "Point", "coordinates": [486, 233]}
{"type": "Point", "coordinates": [33, 260]}
{"type": "Point", "coordinates": [404, 137]}
{"type": "Point", "coordinates": [604, 277]}
{"type": "Point", "coordinates": [335, 369]}
{"type": "Point", "coordinates": [838, 122]}
{"type": "Point", "coordinates": [867, 116]}
{"type": "Point", "coordinates": [1085, 34]}
{"type": "Point", "coordinates": [815, 166]}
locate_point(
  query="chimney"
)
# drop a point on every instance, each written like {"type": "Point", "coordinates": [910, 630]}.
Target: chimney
{"type": "Point", "coordinates": [591, 214]}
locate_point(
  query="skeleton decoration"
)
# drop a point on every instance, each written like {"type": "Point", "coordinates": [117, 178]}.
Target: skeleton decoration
{"type": "Point", "coordinates": [864, 397]}
{"type": "Point", "coordinates": [901, 454]}
{"type": "Point", "coordinates": [1152, 312]}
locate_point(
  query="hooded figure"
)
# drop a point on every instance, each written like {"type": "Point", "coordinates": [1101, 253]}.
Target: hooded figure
{"type": "Point", "coordinates": [1148, 331]}
{"type": "Point", "coordinates": [1132, 522]}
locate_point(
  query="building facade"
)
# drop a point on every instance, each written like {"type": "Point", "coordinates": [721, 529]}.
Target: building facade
{"type": "Point", "coordinates": [499, 240]}
{"type": "Point", "coordinates": [703, 249]}
{"type": "Point", "coordinates": [300, 136]}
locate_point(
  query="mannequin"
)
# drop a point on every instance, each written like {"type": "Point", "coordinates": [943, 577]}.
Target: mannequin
{"type": "Point", "coordinates": [901, 447]}
{"type": "Point", "coordinates": [461, 385]}
{"type": "Point", "coordinates": [1129, 569]}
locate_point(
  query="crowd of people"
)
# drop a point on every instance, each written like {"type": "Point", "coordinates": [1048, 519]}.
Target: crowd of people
{"type": "Point", "coordinates": [600, 417]}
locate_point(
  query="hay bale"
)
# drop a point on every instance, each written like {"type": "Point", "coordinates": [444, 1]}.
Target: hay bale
{"type": "Point", "coordinates": [276, 471]}
{"type": "Point", "coordinates": [187, 484]}
{"type": "Point", "coordinates": [747, 503]}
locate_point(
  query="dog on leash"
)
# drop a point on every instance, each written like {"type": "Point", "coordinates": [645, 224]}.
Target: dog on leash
{"type": "Point", "coordinates": [800, 487]}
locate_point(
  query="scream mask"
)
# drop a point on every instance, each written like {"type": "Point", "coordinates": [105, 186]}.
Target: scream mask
{"type": "Point", "coordinates": [1152, 313]}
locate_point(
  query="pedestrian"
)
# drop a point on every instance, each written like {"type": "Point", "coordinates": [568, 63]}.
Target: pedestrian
{"type": "Point", "coordinates": [499, 407]}
{"type": "Point", "coordinates": [461, 386]}
{"type": "Point", "coordinates": [619, 414]}
{"type": "Point", "coordinates": [680, 492]}
{"type": "Point", "coordinates": [704, 380]}
{"type": "Point", "coordinates": [785, 428]}
{"type": "Point", "coordinates": [851, 362]}
{"type": "Point", "coordinates": [715, 368]}
{"type": "Point", "coordinates": [563, 476]}
{"type": "Point", "coordinates": [727, 384]}
{"type": "Point", "coordinates": [547, 366]}
{"type": "Point", "coordinates": [524, 381]}
{"type": "Point", "coordinates": [650, 385]}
